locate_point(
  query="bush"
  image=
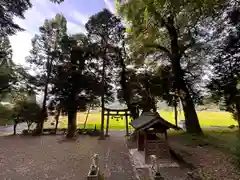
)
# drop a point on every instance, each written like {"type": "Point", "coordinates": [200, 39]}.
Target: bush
{"type": "Point", "coordinates": [26, 111]}
{"type": "Point", "coordinates": [5, 113]}
{"type": "Point", "coordinates": [25, 132]}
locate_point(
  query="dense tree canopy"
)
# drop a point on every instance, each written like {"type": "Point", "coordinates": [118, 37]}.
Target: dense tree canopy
{"type": "Point", "coordinates": [46, 52]}
{"type": "Point", "coordinates": [226, 66]}
{"type": "Point", "coordinates": [169, 30]}
{"type": "Point", "coordinates": [8, 10]}
{"type": "Point", "coordinates": [6, 64]}
{"type": "Point", "coordinates": [162, 55]}
{"type": "Point", "coordinates": [74, 82]}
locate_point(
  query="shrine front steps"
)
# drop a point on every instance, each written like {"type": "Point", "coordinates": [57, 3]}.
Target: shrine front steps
{"type": "Point", "coordinates": [169, 169]}
{"type": "Point", "coordinates": [138, 158]}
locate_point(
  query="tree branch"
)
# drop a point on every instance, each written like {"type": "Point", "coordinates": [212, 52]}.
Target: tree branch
{"type": "Point", "coordinates": [7, 86]}
{"type": "Point", "coordinates": [159, 47]}
{"type": "Point", "coordinates": [190, 44]}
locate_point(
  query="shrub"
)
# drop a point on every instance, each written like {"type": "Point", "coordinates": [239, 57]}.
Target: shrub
{"type": "Point", "coordinates": [26, 111]}
{"type": "Point", "coordinates": [5, 113]}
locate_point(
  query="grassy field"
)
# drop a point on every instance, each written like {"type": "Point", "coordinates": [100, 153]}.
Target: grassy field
{"type": "Point", "coordinates": [226, 140]}
{"type": "Point", "coordinates": [4, 122]}
{"type": "Point", "coordinates": [206, 119]}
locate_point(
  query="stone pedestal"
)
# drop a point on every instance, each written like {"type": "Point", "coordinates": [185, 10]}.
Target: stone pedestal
{"type": "Point", "coordinates": [94, 172]}
{"type": "Point", "coordinates": [93, 175]}
{"type": "Point", "coordinates": [158, 177]}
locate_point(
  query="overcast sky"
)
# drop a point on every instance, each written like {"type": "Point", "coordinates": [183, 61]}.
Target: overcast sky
{"type": "Point", "coordinates": [77, 13]}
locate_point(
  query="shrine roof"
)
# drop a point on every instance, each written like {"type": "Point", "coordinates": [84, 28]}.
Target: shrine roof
{"type": "Point", "coordinates": [149, 119]}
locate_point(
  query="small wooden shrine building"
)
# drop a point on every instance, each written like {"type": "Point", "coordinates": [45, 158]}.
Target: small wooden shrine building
{"type": "Point", "coordinates": [152, 135]}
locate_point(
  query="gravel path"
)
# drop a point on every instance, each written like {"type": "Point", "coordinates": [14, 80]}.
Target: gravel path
{"type": "Point", "coordinates": [117, 163]}
{"type": "Point", "coordinates": [53, 158]}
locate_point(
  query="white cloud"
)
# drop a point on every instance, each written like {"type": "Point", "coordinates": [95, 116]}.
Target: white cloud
{"type": "Point", "coordinates": [79, 17]}
{"type": "Point", "coordinates": [21, 44]}
{"type": "Point", "coordinates": [75, 28]}
{"type": "Point", "coordinates": [34, 17]}
{"type": "Point", "coordinates": [110, 6]}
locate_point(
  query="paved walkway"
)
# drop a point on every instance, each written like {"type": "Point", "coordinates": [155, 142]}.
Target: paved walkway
{"type": "Point", "coordinates": [117, 164]}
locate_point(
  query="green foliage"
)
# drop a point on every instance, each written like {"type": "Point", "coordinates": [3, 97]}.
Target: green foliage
{"type": "Point", "coordinates": [226, 67]}
{"type": "Point", "coordinates": [170, 29]}
{"type": "Point", "coordinates": [150, 27]}
{"type": "Point", "coordinates": [103, 29]}
{"type": "Point", "coordinates": [72, 77]}
{"type": "Point", "coordinates": [46, 51]}
{"type": "Point", "coordinates": [171, 33]}
{"type": "Point", "coordinates": [12, 76]}
{"type": "Point", "coordinates": [8, 10]}
{"type": "Point", "coordinates": [8, 74]}
{"type": "Point", "coordinates": [5, 112]}
{"type": "Point", "coordinates": [26, 111]}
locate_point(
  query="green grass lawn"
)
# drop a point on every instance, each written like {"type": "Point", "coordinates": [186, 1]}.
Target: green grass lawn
{"type": "Point", "coordinates": [227, 141]}
{"type": "Point", "coordinates": [4, 122]}
{"type": "Point", "coordinates": [206, 119]}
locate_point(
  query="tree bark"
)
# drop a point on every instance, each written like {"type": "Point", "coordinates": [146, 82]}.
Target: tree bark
{"type": "Point", "coordinates": [28, 125]}
{"type": "Point", "coordinates": [85, 122]}
{"type": "Point", "coordinates": [103, 101]}
{"type": "Point", "coordinates": [175, 113]}
{"type": "Point", "coordinates": [40, 124]}
{"type": "Point", "coordinates": [126, 91]}
{"type": "Point", "coordinates": [72, 126]}
{"type": "Point", "coordinates": [57, 119]}
{"type": "Point", "coordinates": [72, 99]}
{"type": "Point", "coordinates": [14, 128]}
{"type": "Point", "coordinates": [238, 114]}
{"type": "Point", "coordinates": [191, 118]}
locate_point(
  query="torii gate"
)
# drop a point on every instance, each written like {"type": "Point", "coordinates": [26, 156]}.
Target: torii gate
{"type": "Point", "coordinates": [117, 113]}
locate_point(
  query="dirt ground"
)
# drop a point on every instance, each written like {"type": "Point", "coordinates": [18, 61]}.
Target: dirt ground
{"type": "Point", "coordinates": [52, 157]}
{"type": "Point", "coordinates": [209, 163]}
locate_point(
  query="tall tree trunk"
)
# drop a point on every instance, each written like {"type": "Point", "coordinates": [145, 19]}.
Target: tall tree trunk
{"type": "Point", "coordinates": [85, 122]}
{"type": "Point", "coordinates": [154, 107]}
{"type": "Point", "coordinates": [72, 99]}
{"type": "Point", "coordinates": [40, 124]}
{"type": "Point", "coordinates": [126, 91]}
{"type": "Point", "coordinates": [103, 101]}
{"type": "Point", "coordinates": [191, 118]}
{"type": "Point", "coordinates": [238, 114]}
{"type": "Point", "coordinates": [56, 117]}
{"type": "Point", "coordinates": [14, 128]}
{"type": "Point", "coordinates": [72, 125]}
{"type": "Point", "coordinates": [125, 88]}
{"type": "Point", "coordinates": [175, 113]}
{"type": "Point", "coordinates": [28, 125]}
